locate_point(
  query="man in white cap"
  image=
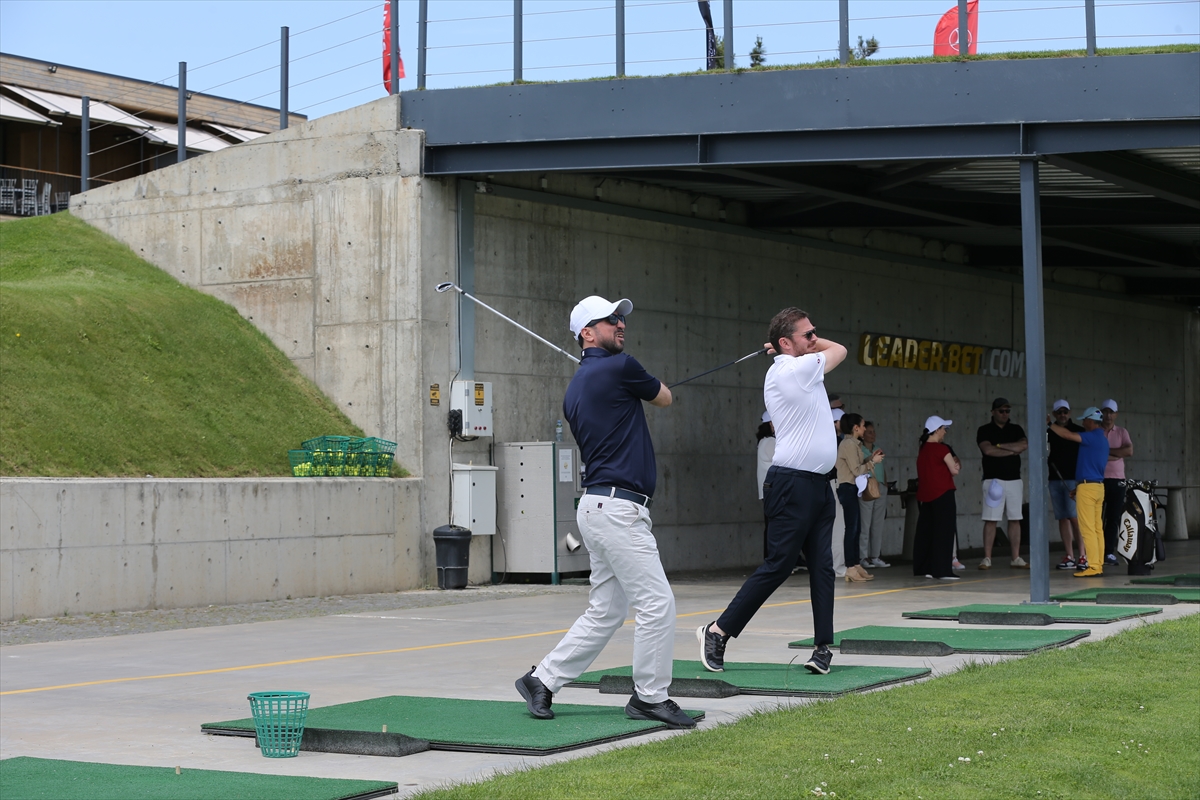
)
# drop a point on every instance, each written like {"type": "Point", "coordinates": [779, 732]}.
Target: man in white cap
{"type": "Point", "coordinates": [603, 406]}
{"type": "Point", "coordinates": [1061, 469]}
{"type": "Point", "coordinates": [1120, 447]}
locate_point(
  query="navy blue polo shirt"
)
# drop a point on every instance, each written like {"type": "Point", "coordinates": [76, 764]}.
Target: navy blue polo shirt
{"type": "Point", "coordinates": [604, 408]}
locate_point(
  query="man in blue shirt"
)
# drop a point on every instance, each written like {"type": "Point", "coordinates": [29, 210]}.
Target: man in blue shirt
{"type": "Point", "coordinates": [604, 408]}
{"type": "Point", "coordinates": [1089, 484]}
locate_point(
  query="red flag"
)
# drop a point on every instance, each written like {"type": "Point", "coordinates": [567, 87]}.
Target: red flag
{"type": "Point", "coordinates": [946, 37]}
{"type": "Point", "coordinates": [387, 48]}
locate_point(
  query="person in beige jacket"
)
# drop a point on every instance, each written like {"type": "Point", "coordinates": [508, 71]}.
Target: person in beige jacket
{"type": "Point", "coordinates": [850, 465]}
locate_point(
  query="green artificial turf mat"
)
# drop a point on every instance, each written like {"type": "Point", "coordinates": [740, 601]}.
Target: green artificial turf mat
{"type": "Point", "coordinates": [25, 778]}
{"type": "Point", "coordinates": [1183, 595]}
{"type": "Point", "coordinates": [489, 726]}
{"type": "Point", "coordinates": [882, 640]}
{"type": "Point", "coordinates": [1186, 579]}
{"type": "Point", "coordinates": [775, 679]}
{"type": "Point", "coordinates": [1057, 613]}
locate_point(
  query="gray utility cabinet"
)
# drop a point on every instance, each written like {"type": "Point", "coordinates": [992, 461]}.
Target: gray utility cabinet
{"type": "Point", "coordinates": [537, 492]}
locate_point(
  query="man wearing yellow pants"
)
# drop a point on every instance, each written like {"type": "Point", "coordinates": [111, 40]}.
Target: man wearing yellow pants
{"type": "Point", "coordinates": [1089, 484]}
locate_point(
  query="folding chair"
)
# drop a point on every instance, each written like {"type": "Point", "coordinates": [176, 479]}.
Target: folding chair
{"type": "Point", "coordinates": [28, 197]}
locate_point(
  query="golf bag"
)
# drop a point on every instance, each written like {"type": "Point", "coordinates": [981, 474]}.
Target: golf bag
{"type": "Point", "coordinates": [1138, 538]}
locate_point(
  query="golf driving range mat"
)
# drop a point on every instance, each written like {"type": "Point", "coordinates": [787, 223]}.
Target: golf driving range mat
{"type": "Point", "coordinates": [1019, 614]}
{"type": "Point", "coordinates": [27, 778]}
{"type": "Point", "coordinates": [691, 679]}
{"type": "Point", "coordinates": [1156, 595]}
{"type": "Point", "coordinates": [1188, 579]}
{"type": "Point", "coordinates": [400, 725]}
{"type": "Point", "coordinates": [877, 640]}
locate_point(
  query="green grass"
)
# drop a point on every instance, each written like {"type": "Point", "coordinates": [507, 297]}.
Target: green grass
{"type": "Point", "coordinates": [111, 367]}
{"type": "Point", "coordinates": [1115, 718]}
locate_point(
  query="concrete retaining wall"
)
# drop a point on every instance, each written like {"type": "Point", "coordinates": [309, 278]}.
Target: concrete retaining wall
{"type": "Point", "coordinates": [95, 545]}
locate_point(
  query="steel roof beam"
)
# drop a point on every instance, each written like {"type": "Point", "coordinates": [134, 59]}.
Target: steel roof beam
{"type": "Point", "coordinates": [1134, 173]}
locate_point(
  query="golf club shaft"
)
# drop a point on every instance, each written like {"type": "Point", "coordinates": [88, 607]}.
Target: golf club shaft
{"type": "Point", "coordinates": [723, 366]}
{"type": "Point", "coordinates": [469, 296]}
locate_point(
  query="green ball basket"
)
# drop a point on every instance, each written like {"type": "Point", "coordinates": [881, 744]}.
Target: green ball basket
{"type": "Point", "coordinates": [279, 722]}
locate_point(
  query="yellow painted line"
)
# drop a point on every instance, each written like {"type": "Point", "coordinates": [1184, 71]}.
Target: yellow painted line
{"type": "Point", "coordinates": [314, 659]}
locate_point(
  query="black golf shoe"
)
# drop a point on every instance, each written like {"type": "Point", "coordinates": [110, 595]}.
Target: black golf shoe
{"type": "Point", "coordinates": [668, 711]}
{"type": "Point", "coordinates": [537, 697]}
{"type": "Point", "coordinates": [712, 648]}
{"type": "Point", "coordinates": [818, 664]}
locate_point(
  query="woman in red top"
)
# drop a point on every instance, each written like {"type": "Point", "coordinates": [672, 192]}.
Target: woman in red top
{"type": "Point", "coordinates": [937, 526]}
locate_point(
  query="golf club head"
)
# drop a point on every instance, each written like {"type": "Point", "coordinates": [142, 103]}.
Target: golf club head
{"type": "Point", "coordinates": [442, 287]}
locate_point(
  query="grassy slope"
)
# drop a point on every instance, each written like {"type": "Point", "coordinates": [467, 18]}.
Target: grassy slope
{"type": "Point", "coordinates": [1115, 718]}
{"type": "Point", "coordinates": [110, 367]}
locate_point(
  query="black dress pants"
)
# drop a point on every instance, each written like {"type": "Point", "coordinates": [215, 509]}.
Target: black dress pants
{"type": "Point", "coordinates": [1114, 506]}
{"type": "Point", "coordinates": [800, 512]}
{"type": "Point", "coordinates": [937, 528]}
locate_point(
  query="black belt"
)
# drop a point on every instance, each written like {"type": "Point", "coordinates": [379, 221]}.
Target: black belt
{"type": "Point", "coordinates": [1089, 481]}
{"type": "Point", "coordinates": [620, 494]}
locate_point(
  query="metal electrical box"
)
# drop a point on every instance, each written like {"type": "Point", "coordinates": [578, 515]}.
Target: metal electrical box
{"type": "Point", "coordinates": [537, 492]}
{"type": "Point", "coordinates": [474, 503]}
{"type": "Point", "coordinates": [474, 400]}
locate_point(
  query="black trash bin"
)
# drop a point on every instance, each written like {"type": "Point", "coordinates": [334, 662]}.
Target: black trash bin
{"type": "Point", "coordinates": [453, 545]}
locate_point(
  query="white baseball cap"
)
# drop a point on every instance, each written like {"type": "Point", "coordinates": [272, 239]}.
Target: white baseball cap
{"type": "Point", "coordinates": [1062, 404]}
{"type": "Point", "coordinates": [995, 493]}
{"type": "Point", "coordinates": [1110, 404]}
{"type": "Point", "coordinates": [935, 422]}
{"type": "Point", "coordinates": [596, 307]}
{"type": "Point", "coordinates": [1091, 412]}
{"type": "Point", "coordinates": [766, 417]}
{"type": "Point", "coordinates": [838, 414]}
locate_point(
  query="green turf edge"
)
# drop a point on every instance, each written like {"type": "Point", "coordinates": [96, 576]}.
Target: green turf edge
{"type": "Point", "coordinates": [28, 778]}
{"type": "Point", "coordinates": [1107, 719]}
{"type": "Point", "coordinates": [1193, 579]}
{"type": "Point", "coordinates": [1043, 637]}
{"type": "Point", "coordinates": [1182, 594]}
{"type": "Point", "coordinates": [1100, 615]}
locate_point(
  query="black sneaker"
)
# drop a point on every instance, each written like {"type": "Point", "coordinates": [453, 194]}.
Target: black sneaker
{"type": "Point", "coordinates": [819, 663]}
{"type": "Point", "coordinates": [1081, 565]}
{"type": "Point", "coordinates": [537, 697]}
{"type": "Point", "coordinates": [712, 648]}
{"type": "Point", "coordinates": [1066, 563]}
{"type": "Point", "coordinates": [1110, 560]}
{"type": "Point", "coordinates": [668, 711]}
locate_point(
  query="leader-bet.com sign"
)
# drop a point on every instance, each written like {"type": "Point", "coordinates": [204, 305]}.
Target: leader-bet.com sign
{"type": "Point", "coordinates": [930, 355]}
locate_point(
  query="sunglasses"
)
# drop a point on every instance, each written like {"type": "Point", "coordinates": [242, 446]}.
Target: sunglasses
{"type": "Point", "coordinates": [810, 334]}
{"type": "Point", "coordinates": [611, 319]}
{"type": "Point", "coordinates": [1003, 410]}
{"type": "Point", "coordinates": [1062, 411]}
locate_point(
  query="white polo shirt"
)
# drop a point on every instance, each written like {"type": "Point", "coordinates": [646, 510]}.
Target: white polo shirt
{"type": "Point", "coordinates": [795, 397]}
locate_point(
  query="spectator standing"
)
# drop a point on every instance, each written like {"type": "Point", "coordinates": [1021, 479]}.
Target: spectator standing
{"type": "Point", "coordinates": [937, 521]}
{"type": "Point", "coordinates": [871, 513]}
{"type": "Point", "coordinates": [850, 466]}
{"type": "Point", "coordinates": [1002, 441]}
{"type": "Point", "coordinates": [1061, 469]}
{"type": "Point", "coordinates": [796, 495]}
{"type": "Point", "coordinates": [839, 520]}
{"type": "Point", "coordinates": [1120, 447]}
{"type": "Point", "coordinates": [766, 452]}
{"type": "Point", "coordinates": [1089, 478]}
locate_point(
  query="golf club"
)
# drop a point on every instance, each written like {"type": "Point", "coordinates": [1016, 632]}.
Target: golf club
{"type": "Point", "coordinates": [443, 287]}
{"type": "Point", "coordinates": [723, 366]}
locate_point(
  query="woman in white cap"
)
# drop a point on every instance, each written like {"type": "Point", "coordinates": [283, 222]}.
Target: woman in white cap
{"type": "Point", "coordinates": [937, 526]}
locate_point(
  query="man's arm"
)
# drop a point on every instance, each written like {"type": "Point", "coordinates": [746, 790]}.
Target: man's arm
{"type": "Point", "coordinates": [663, 398]}
{"type": "Point", "coordinates": [1014, 448]}
{"type": "Point", "coordinates": [1065, 433]}
{"type": "Point", "coordinates": [834, 353]}
{"type": "Point", "coordinates": [989, 449]}
{"type": "Point", "coordinates": [1124, 451]}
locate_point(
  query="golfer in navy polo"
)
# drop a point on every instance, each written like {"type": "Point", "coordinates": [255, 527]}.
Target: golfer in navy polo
{"type": "Point", "coordinates": [604, 408]}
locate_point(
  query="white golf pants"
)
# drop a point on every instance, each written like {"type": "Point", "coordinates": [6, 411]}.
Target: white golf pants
{"type": "Point", "coordinates": [626, 571]}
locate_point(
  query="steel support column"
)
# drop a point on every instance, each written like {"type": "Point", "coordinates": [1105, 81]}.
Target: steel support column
{"type": "Point", "coordinates": [394, 46]}
{"type": "Point", "coordinates": [85, 136]}
{"type": "Point", "coordinates": [422, 30]}
{"type": "Point", "coordinates": [518, 40]}
{"type": "Point", "coordinates": [844, 31]}
{"type": "Point", "coordinates": [466, 279]}
{"type": "Point", "coordinates": [1089, 15]}
{"type": "Point", "coordinates": [620, 10]}
{"type": "Point", "coordinates": [728, 43]}
{"type": "Point", "coordinates": [181, 143]}
{"type": "Point", "coordinates": [1035, 380]}
{"type": "Point", "coordinates": [283, 78]}
{"type": "Point", "coordinates": [964, 29]}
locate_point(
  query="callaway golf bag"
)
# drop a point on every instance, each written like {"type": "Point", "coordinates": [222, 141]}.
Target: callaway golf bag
{"type": "Point", "coordinates": [1138, 539]}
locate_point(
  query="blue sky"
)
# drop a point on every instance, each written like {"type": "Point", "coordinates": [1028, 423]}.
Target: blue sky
{"type": "Point", "coordinates": [336, 46]}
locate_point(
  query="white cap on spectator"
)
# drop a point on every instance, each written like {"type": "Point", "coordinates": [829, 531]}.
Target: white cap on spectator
{"type": "Point", "coordinates": [1110, 404]}
{"type": "Point", "coordinates": [766, 416]}
{"type": "Point", "coordinates": [838, 414]}
{"type": "Point", "coordinates": [1062, 404]}
{"type": "Point", "coordinates": [596, 307]}
{"type": "Point", "coordinates": [935, 422]}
